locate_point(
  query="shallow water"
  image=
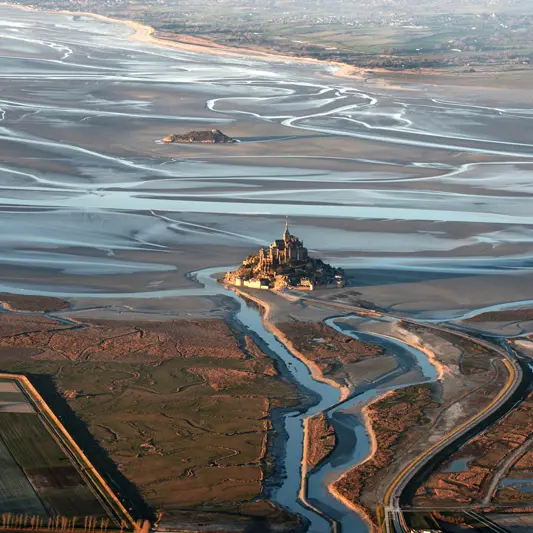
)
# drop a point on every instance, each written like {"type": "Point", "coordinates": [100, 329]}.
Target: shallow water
{"type": "Point", "coordinates": [287, 493]}
{"type": "Point", "coordinates": [458, 465]}
{"type": "Point", "coordinates": [393, 175]}
{"type": "Point", "coordinates": [82, 176]}
{"type": "Point", "coordinates": [518, 482]}
{"type": "Point", "coordinates": [357, 448]}
{"type": "Point", "coordinates": [353, 441]}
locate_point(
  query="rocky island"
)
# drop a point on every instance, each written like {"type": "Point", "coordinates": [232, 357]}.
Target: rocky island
{"type": "Point", "coordinates": [206, 136]}
{"type": "Point", "coordinates": [285, 264]}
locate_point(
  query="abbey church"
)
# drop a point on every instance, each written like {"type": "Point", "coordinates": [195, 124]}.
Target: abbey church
{"type": "Point", "coordinates": [285, 264]}
{"type": "Point", "coordinates": [282, 252]}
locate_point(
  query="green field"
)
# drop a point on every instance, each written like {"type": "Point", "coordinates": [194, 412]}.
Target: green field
{"type": "Point", "coordinates": [36, 476]}
{"type": "Point", "coordinates": [16, 492]}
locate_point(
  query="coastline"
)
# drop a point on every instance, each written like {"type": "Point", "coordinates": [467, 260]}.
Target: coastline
{"type": "Point", "coordinates": [143, 33]}
{"type": "Point", "coordinates": [413, 340]}
{"type": "Point", "coordinates": [361, 511]}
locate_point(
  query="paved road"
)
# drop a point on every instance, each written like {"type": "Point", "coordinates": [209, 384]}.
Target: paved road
{"type": "Point", "coordinates": [394, 519]}
{"type": "Point", "coordinates": [504, 467]}
{"type": "Point", "coordinates": [392, 497]}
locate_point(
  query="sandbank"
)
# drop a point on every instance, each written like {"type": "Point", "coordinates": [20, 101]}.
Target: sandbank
{"type": "Point", "coordinates": [315, 370]}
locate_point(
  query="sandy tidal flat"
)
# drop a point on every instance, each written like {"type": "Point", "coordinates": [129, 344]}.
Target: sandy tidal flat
{"type": "Point", "coordinates": [427, 185]}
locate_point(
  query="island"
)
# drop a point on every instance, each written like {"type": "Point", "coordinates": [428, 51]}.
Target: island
{"type": "Point", "coordinates": [285, 264]}
{"type": "Point", "coordinates": [205, 136]}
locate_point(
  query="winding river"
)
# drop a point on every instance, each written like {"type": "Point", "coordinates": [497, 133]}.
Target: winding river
{"type": "Point", "coordinates": [72, 87]}
{"type": "Point", "coordinates": [304, 492]}
{"type": "Point", "coordinates": [311, 496]}
{"type": "Point", "coordinates": [307, 495]}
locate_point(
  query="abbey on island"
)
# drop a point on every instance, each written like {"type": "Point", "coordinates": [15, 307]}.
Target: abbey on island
{"type": "Point", "coordinates": [285, 264]}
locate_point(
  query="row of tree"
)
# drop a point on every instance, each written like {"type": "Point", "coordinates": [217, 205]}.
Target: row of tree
{"type": "Point", "coordinates": [90, 524]}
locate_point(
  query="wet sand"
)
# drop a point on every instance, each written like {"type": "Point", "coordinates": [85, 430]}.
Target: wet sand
{"type": "Point", "coordinates": [422, 193]}
{"type": "Point", "coordinates": [417, 193]}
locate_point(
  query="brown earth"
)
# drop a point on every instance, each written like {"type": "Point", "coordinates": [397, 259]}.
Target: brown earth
{"type": "Point", "coordinates": [222, 378]}
{"type": "Point", "coordinates": [487, 450]}
{"type": "Point", "coordinates": [43, 304]}
{"type": "Point", "coordinates": [182, 408]}
{"type": "Point", "coordinates": [524, 464]}
{"type": "Point", "coordinates": [392, 419]}
{"type": "Point", "coordinates": [503, 316]}
{"type": "Point", "coordinates": [332, 352]}
{"type": "Point", "coordinates": [113, 340]}
{"type": "Point", "coordinates": [320, 439]}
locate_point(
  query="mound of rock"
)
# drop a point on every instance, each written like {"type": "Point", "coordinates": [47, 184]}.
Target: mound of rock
{"type": "Point", "coordinates": [207, 136]}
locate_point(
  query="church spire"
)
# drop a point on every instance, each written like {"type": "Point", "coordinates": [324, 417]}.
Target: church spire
{"type": "Point", "coordinates": [286, 233]}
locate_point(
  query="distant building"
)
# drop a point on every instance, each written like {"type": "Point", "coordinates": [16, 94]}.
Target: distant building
{"type": "Point", "coordinates": [282, 252]}
{"type": "Point", "coordinates": [285, 264]}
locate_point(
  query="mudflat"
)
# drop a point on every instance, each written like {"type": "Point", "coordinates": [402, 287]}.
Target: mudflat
{"type": "Point", "coordinates": [418, 188]}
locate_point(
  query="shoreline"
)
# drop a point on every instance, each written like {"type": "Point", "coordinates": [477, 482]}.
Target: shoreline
{"type": "Point", "coordinates": [143, 33]}
{"type": "Point", "coordinates": [146, 34]}
{"type": "Point", "coordinates": [413, 340]}
{"type": "Point", "coordinates": [345, 392]}
{"type": "Point", "coordinates": [367, 422]}
{"type": "Point", "coordinates": [318, 376]}
{"type": "Point", "coordinates": [361, 511]}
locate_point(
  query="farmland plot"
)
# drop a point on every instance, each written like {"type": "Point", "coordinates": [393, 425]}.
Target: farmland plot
{"type": "Point", "coordinates": [17, 494]}
{"type": "Point", "coordinates": [57, 483]}
{"type": "Point", "coordinates": [36, 475]}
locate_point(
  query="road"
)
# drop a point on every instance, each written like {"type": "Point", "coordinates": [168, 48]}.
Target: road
{"type": "Point", "coordinates": [394, 519]}
{"type": "Point", "coordinates": [393, 494]}
{"type": "Point", "coordinates": [504, 467]}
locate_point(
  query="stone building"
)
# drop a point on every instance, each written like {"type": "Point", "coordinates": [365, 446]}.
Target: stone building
{"type": "Point", "coordinates": [285, 264]}
{"type": "Point", "coordinates": [287, 251]}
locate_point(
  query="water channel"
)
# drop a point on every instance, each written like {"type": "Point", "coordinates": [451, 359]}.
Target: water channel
{"type": "Point", "coordinates": [314, 499]}
{"type": "Point", "coordinates": [310, 498]}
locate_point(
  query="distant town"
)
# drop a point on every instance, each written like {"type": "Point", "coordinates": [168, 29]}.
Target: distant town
{"type": "Point", "coordinates": [396, 35]}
